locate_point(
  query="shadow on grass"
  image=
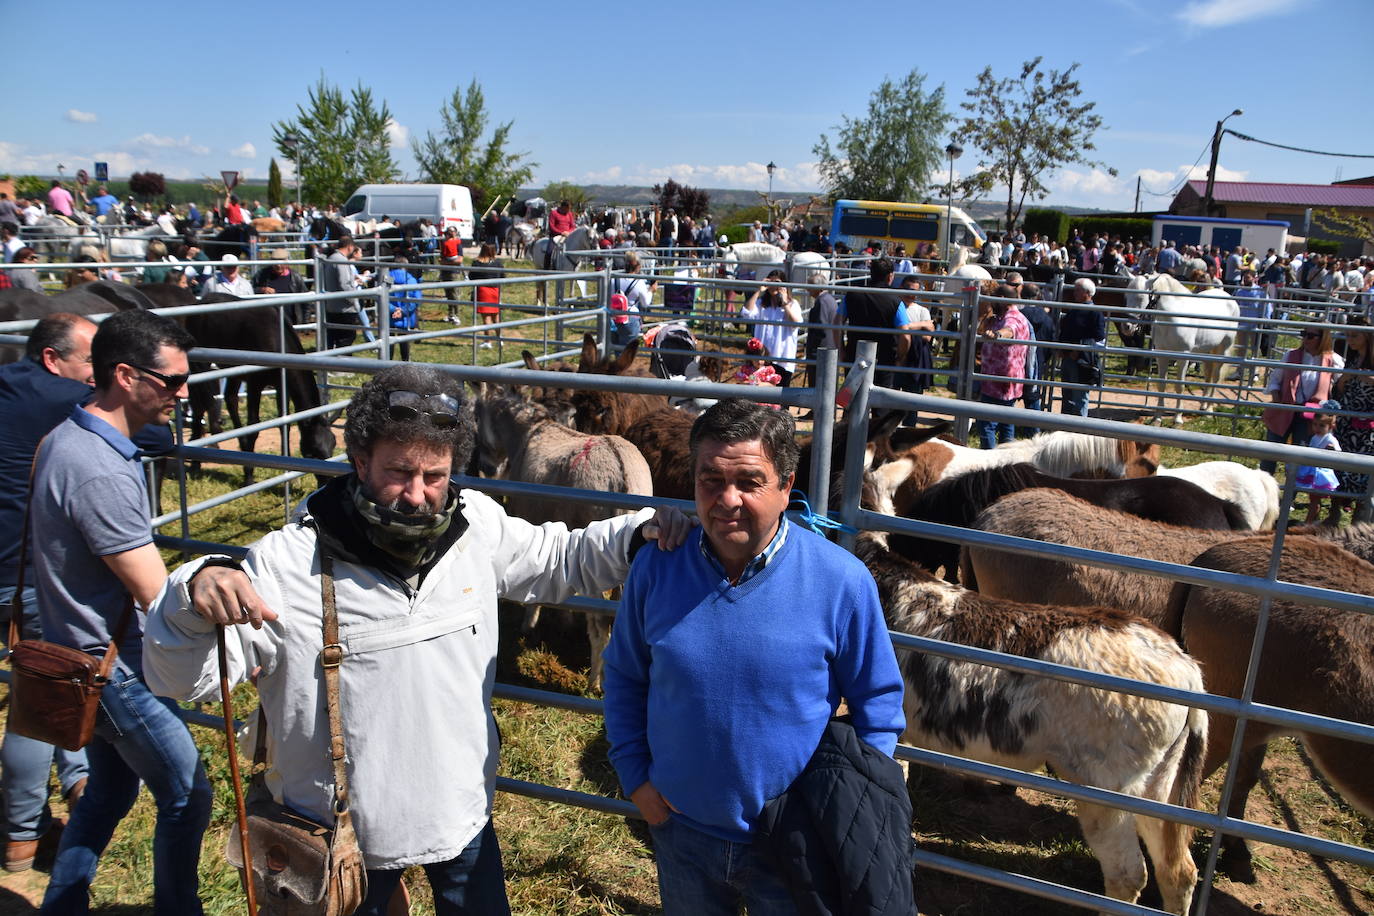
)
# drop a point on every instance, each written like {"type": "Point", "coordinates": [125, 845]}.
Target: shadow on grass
{"type": "Point", "coordinates": [564, 868]}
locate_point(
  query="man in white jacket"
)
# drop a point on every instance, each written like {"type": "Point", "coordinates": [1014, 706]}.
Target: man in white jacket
{"type": "Point", "coordinates": [418, 567]}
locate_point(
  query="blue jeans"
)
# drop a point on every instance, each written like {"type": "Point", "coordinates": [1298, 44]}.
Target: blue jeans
{"type": "Point", "coordinates": [472, 883]}
{"type": "Point", "coordinates": [27, 763]}
{"type": "Point", "coordinates": [991, 432]}
{"type": "Point", "coordinates": [700, 875]}
{"type": "Point", "coordinates": [138, 736]}
{"type": "Point", "coordinates": [1074, 401]}
{"type": "Point", "coordinates": [1297, 435]}
{"type": "Point", "coordinates": [623, 334]}
{"type": "Point", "coordinates": [1031, 398]}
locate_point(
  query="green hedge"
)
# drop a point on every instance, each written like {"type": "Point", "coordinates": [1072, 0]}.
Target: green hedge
{"type": "Point", "coordinates": [1124, 226]}
{"type": "Point", "coordinates": [1324, 246]}
{"type": "Point", "coordinates": [1048, 223]}
{"type": "Point", "coordinates": [736, 234]}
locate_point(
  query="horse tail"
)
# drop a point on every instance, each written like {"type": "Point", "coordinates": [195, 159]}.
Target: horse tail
{"type": "Point", "coordinates": [967, 579]}
{"type": "Point", "coordinates": [1187, 785]}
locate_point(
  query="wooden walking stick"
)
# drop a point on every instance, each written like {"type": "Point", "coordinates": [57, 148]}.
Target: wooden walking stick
{"type": "Point", "coordinates": [232, 747]}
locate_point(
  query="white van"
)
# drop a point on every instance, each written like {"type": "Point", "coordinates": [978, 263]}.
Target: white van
{"type": "Point", "coordinates": [1255, 234]}
{"type": "Point", "coordinates": [444, 204]}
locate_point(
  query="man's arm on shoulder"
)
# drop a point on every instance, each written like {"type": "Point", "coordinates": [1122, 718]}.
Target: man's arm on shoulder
{"type": "Point", "coordinates": [867, 671]}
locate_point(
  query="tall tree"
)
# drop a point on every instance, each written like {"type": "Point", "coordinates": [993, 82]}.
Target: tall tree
{"type": "Point", "coordinates": [575, 195]}
{"type": "Point", "coordinates": [274, 196]}
{"type": "Point", "coordinates": [338, 142]}
{"type": "Point", "coordinates": [147, 185]}
{"type": "Point", "coordinates": [890, 153]}
{"type": "Point", "coordinates": [1025, 128]}
{"type": "Point", "coordinates": [458, 155]}
{"type": "Point", "coordinates": [683, 199]}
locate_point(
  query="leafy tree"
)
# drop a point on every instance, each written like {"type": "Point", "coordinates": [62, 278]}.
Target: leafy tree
{"type": "Point", "coordinates": [1348, 225]}
{"type": "Point", "coordinates": [1026, 127]}
{"type": "Point", "coordinates": [576, 195]}
{"type": "Point", "coordinates": [338, 142]}
{"type": "Point", "coordinates": [458, 155]}
{"type": "Point", "coordinates": [147, 185]}
{"type": "Point", "coordinates": [890, 153]}
{"type": "Point", "coordinates": [274, 195]}
{"type": "Point", "coordinates": [31, 186]}
{"type": "Point", "coordinates": [683, 199]}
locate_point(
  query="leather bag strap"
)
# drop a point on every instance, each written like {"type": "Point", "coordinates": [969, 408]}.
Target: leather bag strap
{"type": "Point", "coordinates": [331, 657]}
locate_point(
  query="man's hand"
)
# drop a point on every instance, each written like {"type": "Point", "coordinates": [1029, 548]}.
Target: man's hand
{"type": "Point", "coordinates": [225, 596]}
{"type": "Point", "coordinates": [669, 527]}
{"type": "Point", "coordinates": [651, 804]}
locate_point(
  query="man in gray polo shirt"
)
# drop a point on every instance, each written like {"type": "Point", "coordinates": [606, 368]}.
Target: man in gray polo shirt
{"type": "Point", "coordinates": [90, 512]}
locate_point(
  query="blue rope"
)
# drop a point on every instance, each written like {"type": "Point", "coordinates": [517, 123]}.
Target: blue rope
{"type": "Point", "coordinates": [817, 522]}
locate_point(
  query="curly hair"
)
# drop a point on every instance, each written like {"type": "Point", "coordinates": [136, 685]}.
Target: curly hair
{"type": "Point", "coordinates": [369, 420]}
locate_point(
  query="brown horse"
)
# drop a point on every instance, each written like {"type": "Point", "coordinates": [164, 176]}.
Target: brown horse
{"type": "Point", "coordinates": [1315, 659]}
{"type": "Point", "coordinates": [1140, 747]}
{"type": "Point", "coordinates": [537, 449]}
{"type": "Point", "coordinates": [1056, 517]}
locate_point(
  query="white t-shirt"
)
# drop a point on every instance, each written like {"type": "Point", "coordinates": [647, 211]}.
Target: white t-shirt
{"type": "Point", "coordinates": [1307, 379]}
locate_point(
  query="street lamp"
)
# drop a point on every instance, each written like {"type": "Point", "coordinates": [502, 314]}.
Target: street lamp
{"type": "Point", "coordinates": [771, 169]}
{"type": "Point", "coordinates": [953, 151]}
{"type": "Point", "coordinates": [1212, 167]}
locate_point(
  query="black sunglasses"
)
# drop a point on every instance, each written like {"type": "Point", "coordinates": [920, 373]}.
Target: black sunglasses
{"type": "Point", "coordinates": [172, 383]}
{"type": "Point", "coordinates": [442, 409]}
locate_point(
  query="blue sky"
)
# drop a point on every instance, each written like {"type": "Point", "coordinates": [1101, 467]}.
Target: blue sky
{"type": "Point", "coordinates": [706, 93]}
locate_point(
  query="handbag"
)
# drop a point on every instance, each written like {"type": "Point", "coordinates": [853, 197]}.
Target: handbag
{"type": "Point", "coordinates": [301, 867]}
{"type": "Point", "coordinates": [55, 690]}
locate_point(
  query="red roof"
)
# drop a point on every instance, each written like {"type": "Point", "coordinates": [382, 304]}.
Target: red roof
{"type": "Point", "coordinates": [1297, 195]}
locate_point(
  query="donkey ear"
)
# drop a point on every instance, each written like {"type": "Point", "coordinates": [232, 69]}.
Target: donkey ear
{"type": "Point", "coordinates": [626, 357]}
{"type": "Point", "coordinates": [530, 362]}
{"type": "Point", "coordinates": [590, 353]}
{"type": "Point", "coordinates": [884, 425]}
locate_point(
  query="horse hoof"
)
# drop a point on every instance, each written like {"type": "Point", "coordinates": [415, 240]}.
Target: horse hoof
{"type": "Point", "coordinates": [1236, 864]}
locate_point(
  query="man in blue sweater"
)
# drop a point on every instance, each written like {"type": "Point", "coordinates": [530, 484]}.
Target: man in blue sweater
{"type": "Point", "coordinates": [727, 660]}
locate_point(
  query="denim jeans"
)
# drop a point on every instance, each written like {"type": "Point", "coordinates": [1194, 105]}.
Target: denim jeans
{"type": "Point", "coordinates": [472, 883]}
{"type": "Point", "coordinates": [27, 763]}
{"type": "Point", "coordinates": [991, 432]}
{"type": "Point", "coordinates": [1074, 400]}
{"type": "Point", "coordinates": [700, 875]}
{"type": "Point", "coordinates": [1297, 435]}
{"type": "Point", "coordinates": [1032, 399]}
{"type": "Point", "coordinates": [623, 334]}
{"type": "Point", "coordinates": [138, 736]}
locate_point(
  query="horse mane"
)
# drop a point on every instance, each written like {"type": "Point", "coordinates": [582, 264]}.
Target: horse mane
{"type": "Point", "coordinates": [958, 500]}
{"type": "Point", "coordinates": [1063, 454]}
{"type": "Point", "coordinates": [1357, 539]}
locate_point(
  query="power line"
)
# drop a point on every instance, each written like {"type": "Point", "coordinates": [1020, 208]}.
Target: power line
{"type": "Point", "coordinates": [1182, 181]}
{"type": "Point", "coordinates": [1298, 149]}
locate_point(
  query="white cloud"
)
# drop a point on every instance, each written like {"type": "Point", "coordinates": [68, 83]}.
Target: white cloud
{"type": "Point", "coordinates": [1093, 183]}
{"type": "Point", "coordinates": [1214, 14]}
{"type": "Point", "coordinates": [800, 176]}
{"type": "Point", "coordinates": [246, 151]}
{"type": "Point", "coordinates": [398, 133]}
{"type": "Point", "coordinates": [81, 117]}
{"type": "Point", "coordinates": [154, 141]}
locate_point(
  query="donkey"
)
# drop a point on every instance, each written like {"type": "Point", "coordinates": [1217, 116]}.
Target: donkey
{"type": "Point", "coordinates": [537, 449]}
{"type": "Point", "coordinates": [557, 401]}
{"type": "Point", "coordinates": [611, 413]}
{"type": "Point", "coordinates": [1126, 744]}
{"type": "Point", "coordinates": [1316, 659]}
{"type": "Point", "coordinates": [958, 500]}
{"type": "Point", "coordinates": [1056, 517]}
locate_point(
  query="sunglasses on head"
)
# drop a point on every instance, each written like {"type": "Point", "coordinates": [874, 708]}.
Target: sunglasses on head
{"type": "Point", "coordinates": [170, 382]}
{"type": "Point", "coordinates": [442, 409]}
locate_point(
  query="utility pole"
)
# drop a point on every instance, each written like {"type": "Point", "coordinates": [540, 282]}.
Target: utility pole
{"type": "Point", "coordinates": [1137, 195]}
{"type": "Point", "coordinates": [1212, 167]}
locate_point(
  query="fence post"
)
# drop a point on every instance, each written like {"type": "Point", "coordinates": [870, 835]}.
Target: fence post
{"type": "Point", "coordinates": [384, 315]}
{"type": "Point", "coordinates": [558, 304]}
{"type": "Point", "coordinates": [856, 419]}
{"type": "Point", "coordinates": [822, 428]}
{"type": "Point", "coordinates": [968, 336]}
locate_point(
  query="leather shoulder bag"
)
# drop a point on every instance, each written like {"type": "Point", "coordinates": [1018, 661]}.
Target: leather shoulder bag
{"type": "Point", "coordinates": [300, 867]}
{"type": "Point", "coordinates": [55, 690]}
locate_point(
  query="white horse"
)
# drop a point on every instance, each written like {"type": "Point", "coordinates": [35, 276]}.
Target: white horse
{"type": "Point", "coordinates": [583, 238]}
{"type": "Point", "coordinates": [1254, 492]}
{"type": "Point", "coordinates": [758, 258]}
{"type": "Point", "coordinates": [1184, 323]}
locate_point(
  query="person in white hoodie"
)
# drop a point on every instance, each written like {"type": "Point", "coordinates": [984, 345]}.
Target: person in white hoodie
{"type": "Point", "coordinates": [418, 565]}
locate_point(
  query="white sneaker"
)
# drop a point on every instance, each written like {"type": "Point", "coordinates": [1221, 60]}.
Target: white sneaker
{"type": "Point", "coordinates": [485, 346]}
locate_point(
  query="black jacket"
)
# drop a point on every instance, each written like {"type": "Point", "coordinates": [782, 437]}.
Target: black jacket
{"type": "Point", "coordinates": [840, 836]}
